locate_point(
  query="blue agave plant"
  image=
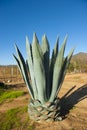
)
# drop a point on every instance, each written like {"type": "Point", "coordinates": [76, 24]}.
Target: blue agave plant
{"type": "Point", "coordinates": [47, 76]}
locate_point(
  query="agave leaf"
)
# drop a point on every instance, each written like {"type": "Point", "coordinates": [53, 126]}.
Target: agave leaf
{"type": "Point", "coordinates": [55, 50]}
{"type": "Point", "coordinates": [46, 54]}
{"type": "Point", "coordinates": [53, 59]}
{"type": "Point", "coordinates": [39, 69]}
{"type": "Point", "coordinates": [18, 63]}
{"type": "Point", "coordinates": [24, 71]}
{"type": "Point", "coordinates": [64, 69]}
{"type": "Point", "coordinates": [19, 66]}
{"type": "Point", "coordinates": [27, 66]}
{"type": "Point", "coordinates": [28, 71]}
{"type": "Point", "coordinates": [57, 70]}
{"type": "Point", "coordinates": [31, 67]}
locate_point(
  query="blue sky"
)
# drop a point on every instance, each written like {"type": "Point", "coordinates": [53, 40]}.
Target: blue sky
{"type": "Point", "coordinates": [19, 18]}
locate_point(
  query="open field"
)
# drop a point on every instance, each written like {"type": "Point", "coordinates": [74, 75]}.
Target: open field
{"type": "Point", "coordinates": [73, 94]}
{"type": "Point", "coordinates": [10, 73]}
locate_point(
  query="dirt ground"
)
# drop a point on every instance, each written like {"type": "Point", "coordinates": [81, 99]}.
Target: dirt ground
{"type": "Point", "coordinates": [73, 96]}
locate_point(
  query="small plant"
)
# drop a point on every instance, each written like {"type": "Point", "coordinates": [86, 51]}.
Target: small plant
{"type": "Point", "coordinates": [2, 86]}
{"type": "Point", "coordinates": [43, 76]}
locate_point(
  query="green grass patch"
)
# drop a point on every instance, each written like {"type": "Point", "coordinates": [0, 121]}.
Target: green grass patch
{"type": "Point", "coordinates": [17, 118]}
{"type": "Point", "coordinates": [9, 95]}
{"type": "Point", "coordinates": [1, 91]}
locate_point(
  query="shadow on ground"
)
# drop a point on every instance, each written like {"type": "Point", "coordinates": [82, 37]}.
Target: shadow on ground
{"type": "Point", "coordinates": [70, 99]}
{"type": "Point", "coordinates": [15, 86]}
{"type": "Point", "coordinates": [11, 86]}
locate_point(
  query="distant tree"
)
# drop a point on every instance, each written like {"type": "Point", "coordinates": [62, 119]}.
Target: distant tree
{"type": "Point", "coordinates": [71, 67]}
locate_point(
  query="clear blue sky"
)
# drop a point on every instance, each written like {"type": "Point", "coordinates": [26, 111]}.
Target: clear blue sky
{"type": "Point", "coordinates": [19, 18]}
